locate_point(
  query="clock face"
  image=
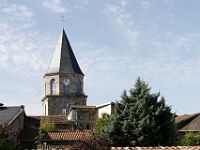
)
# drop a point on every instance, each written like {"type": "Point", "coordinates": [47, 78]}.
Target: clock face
{"type": "Point", "coordinates": [66, 82]}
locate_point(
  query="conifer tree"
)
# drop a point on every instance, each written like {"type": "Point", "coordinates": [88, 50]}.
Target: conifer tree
{"type": "Point", "coordinates": [142, 119]}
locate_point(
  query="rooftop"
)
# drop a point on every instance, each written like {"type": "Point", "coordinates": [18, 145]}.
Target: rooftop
{"type": "Point", "coordinates": [82, 106]}
{"type": "Point", "coordinates": [67, 135]}
{"type": "Point", "coordinates": [57, 119]}
{"type": "Point", "coordinates": [7, 114]}
{"type": "Point", "coordinates": [63, 60]}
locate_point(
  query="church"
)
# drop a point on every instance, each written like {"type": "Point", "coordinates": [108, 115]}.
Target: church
{"type": "Point", "coordinates": [64, 88]}
{"type": "Point", "coordinates": [63, 80]}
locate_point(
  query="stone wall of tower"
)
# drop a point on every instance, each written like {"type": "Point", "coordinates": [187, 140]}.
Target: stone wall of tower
{"type": "Point", "coordinates": [54, 105]}
{"type": "Point", "coordinates": [74, 78]}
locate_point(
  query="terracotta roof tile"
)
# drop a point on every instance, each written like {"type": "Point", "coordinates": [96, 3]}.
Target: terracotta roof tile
{"type": "Point", "coordinates": [67, 135]}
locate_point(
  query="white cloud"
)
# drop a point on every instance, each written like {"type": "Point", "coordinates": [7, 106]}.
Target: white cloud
{"type": "Point", "coordinates": [124, 2]}
{"type": "Point", "coordinates": [23, 50]}
{"type": "Point", "coordinates": [144, 3]}
{"type": "Point", "coordinates": [16, 10]}
{"type": "Point", "coordinates": [125, 24]}
{"type": "Point", "coordinates": [3, 56]}
{"type": "Point", "coordinates": [53, 5]}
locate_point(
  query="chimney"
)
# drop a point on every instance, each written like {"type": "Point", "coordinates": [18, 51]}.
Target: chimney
{"type": "Point", "coordinates": [22, 106]}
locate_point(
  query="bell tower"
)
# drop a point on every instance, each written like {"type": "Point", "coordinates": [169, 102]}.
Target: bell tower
{"type": "Point", "coordinates": [63, 80]}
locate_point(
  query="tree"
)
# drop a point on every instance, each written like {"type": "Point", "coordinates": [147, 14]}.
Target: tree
{"type": "Point", "coordinates": [102, 124]}
{"type": "Point", "coordinates": [5, 142]}
{"type": "Point", "coordinates": [47, 124]}
{"type": "Point", "coordinates": [99, 142]}
{"type": "Point", "coordinates": [191, 139]}
{"type": "Point", "coordinates": [142, 119]}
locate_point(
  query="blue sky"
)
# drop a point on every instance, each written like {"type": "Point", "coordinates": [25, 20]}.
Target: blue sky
{"type": "Point", "coordinates": [115, 41]}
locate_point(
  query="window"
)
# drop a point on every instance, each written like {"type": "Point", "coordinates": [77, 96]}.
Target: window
{"type": "Point", "coordinates": [78, 87]}
{"type": "Point", "coordinates": [88, 127]}
{"type": "Point", "coordinates": [66, 87]}
{"type": "Point", "coordinates": [53, 86]}
{"type": "Point", "coordinates": [45, 110]}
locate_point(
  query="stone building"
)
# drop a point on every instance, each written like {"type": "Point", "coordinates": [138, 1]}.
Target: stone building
{"type": "Point", "coordinates": [63, 80]}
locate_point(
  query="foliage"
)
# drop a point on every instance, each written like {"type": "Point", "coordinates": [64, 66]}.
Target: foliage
{"type": "Point", "coordinates": [102, 124]}
{"type": "Point", "coordinates": [191, 139]}
{"type": "Point", "coordinates": [47, 124]}
{"type": "Point", "coordinates": [142, 119]}
{"type": "Point", "coordinates": [94, 143]}
{"type": "Point", "coordinates": [5, 142]}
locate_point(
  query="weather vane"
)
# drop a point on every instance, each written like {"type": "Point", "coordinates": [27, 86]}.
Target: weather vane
{"type": "Point", "coordinates": [62, 19]}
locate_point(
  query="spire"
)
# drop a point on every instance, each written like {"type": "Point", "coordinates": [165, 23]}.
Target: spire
{"type": "Point", "coordinates": [63, 60]}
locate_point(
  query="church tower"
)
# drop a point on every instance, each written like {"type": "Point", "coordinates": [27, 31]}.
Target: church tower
{"type": "Point", "coordinates": [63, 80]}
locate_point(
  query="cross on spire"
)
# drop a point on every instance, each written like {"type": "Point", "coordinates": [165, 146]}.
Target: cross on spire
{"type": "Point", "coordinates": [62, 19]}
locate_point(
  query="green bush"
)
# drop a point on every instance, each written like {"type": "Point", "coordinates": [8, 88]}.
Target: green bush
{"type": "Point", "coordinates": [191, 139]}
{"type": "Point", "coordinates": [7, 144]}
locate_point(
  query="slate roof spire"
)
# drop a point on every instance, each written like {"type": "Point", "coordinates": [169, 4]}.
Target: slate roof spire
{"type": "Point", "coordinates": [63, 60]}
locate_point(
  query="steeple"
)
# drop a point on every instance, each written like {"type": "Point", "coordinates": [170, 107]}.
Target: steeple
{"type": "Point", "coordinates": [64, 84]}
{"type": "Point", "coordinates": [63, 60]}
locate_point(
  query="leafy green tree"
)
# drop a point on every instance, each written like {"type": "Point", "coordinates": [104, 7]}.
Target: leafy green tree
{"type": "Point", "coordinates": [102, 124]}
{"type": "Point", "coordinates": [142, 119]}
{"type": "Point", "coordinates": [191, 139]}
{"type": "Point", "coordinates": [5, 142]}
{"type": "Point", "coordinates": [47, 124]}
{"type": "Point", "coordinates": [99, 142]}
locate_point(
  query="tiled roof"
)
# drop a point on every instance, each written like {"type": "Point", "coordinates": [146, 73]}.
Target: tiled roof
{"type": "Point", "coordinates": [9, 113]}
{"type": "Point", "coordinates": [105, 104]}
{"type": "Point", "coordinates": [82, 106]}
{"type": "Point", "coordinates": [66, 135]}
{"type": "Point", "coordinates": [193, 125]}
{"type": "Point", "coordinates": [57, 119]}
{"type": "Point", "coordinates": [158, 148]}
{"type": "Point", "coordinates": [181, 118]}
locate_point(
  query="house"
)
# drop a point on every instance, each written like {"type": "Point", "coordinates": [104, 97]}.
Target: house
{"type": "Point", "coordinates": [187, 123]}
{"type": "Point", "coordinates": [12, 119]}
{"type": "Point", "coordinates": [108, 108]}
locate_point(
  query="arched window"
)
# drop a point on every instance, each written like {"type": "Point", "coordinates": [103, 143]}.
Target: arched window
{"type": "Point", "coordinates": [66, 87]}
{"type": "Point", "coordinates": [78, 87]}
{"type": "Point", "coordinates": [53, 86]}
{"type": "Point", "coordinates": [45, 113]}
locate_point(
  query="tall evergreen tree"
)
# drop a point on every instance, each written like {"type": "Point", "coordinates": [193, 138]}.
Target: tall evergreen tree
{"type": "Point", "coordinates": [142, 119]}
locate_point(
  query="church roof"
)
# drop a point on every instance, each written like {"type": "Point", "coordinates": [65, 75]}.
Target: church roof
{"type": "Point", "coordinates": [63, 60]}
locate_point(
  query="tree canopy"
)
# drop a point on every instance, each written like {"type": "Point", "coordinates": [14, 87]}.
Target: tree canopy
{"type": "Point", "coordinates": [191, 139]}
{"type": "Point", "coordinates": [142, 119]}
{"type": "Point", "coordinates": [102, 124]}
